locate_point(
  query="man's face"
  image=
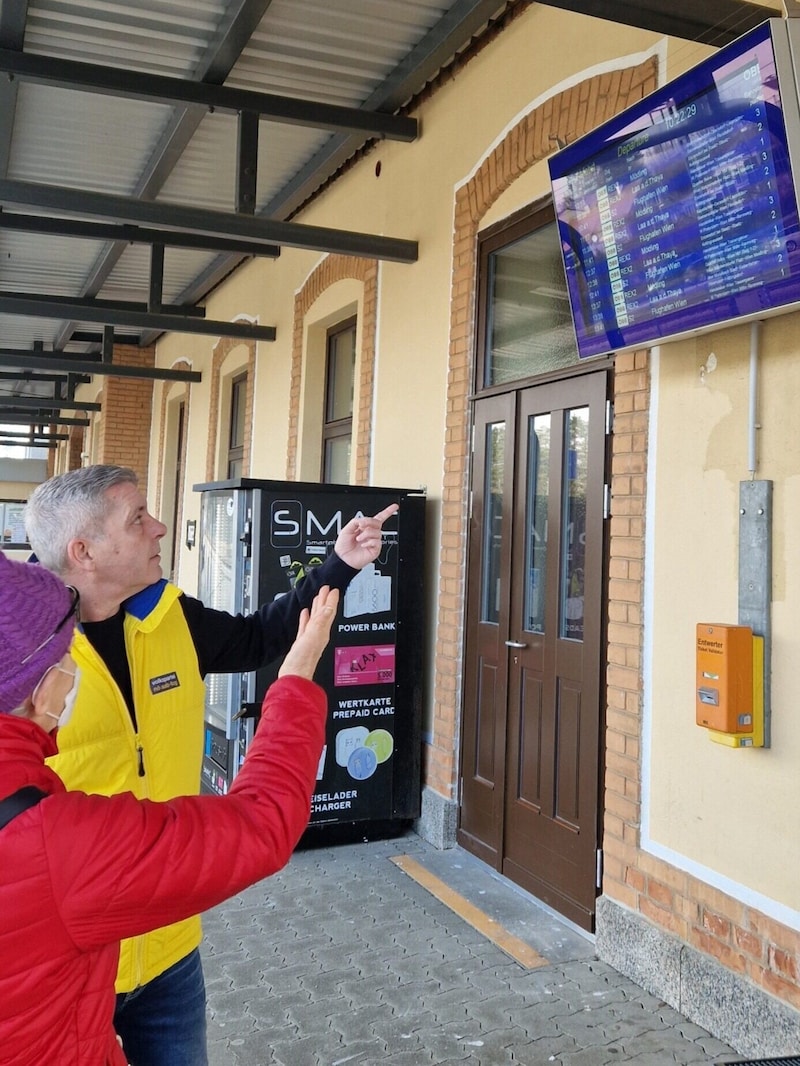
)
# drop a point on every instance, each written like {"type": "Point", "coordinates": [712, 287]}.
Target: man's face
{"type": "Point", "coordinates": [128, 556]}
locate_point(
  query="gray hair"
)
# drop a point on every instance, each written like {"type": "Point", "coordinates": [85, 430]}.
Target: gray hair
{"type": "Point", "coordinates": [68, 506]}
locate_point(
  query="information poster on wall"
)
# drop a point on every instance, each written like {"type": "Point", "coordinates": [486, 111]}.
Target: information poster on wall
{"type": "Point", "coordinates": [11, 522]}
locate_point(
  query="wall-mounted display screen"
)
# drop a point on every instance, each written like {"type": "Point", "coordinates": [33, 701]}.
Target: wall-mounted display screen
{"type": "Point", "coordinates": [680, 214]}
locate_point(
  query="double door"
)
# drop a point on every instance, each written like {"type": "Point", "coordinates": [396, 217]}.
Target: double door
{"type": "Point", "coordinates": [532, 716]}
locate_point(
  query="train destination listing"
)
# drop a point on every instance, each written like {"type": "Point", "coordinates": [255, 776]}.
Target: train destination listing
{"type": "Point", "coordinates": [680, 220]}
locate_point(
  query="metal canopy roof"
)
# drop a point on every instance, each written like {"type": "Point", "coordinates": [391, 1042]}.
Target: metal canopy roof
{"type": "Point", "coordinates": [147, 148]}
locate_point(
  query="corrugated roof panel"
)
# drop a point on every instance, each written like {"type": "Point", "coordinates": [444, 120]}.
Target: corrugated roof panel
{"type": "Point", "coordinates": [149, 35]}
{"type": "Point", "coordinates": [130, 278]}
{"type": "Point", "coordinates": [337, 53]}
{"type": "Point", "coordinates": [82, 140]}
{"type": "Point", "coordinates": [41, 263]}
{"type": "Point", "coordinates": [21, 331]}
{"type": "Point", "coordinates": [205, 175]}
{"type": "Point", "coordinates": [333, 51]}
{"type": "Point", "coordinates": [279, 148]}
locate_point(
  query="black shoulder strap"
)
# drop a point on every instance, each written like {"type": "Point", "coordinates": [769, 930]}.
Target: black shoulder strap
{"type": "Point", "coordinates": [18, 802]}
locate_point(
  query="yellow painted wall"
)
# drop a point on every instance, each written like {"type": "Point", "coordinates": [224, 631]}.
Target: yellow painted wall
{"type": "Point", "coordinates": [412, 198]}
{"type": "Point", "coordinates": [16, 490]}
{"type": "Point", "coordinates": [711, 805]}
{"type": "Point", "coordinates": [733, 811]}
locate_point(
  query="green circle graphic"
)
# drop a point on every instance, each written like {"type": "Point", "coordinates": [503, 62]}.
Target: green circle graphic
{"type": "Point", "coordinates": [381, 742]}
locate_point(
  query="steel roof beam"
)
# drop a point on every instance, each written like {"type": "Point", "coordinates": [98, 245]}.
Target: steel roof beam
{"type": "Point", "coordinates": [177, 310]}
{"type": "Point", "coordinates": [85, 336]}
{"type": "Point", "coordinates": [29, 377]}
{"type": "Point", "coordinates": [240, 21]}
{"type": "Point", "coordinates": [201, 220]}
{"type": "Point", "coordinates": [100, 231]}
{"type": "Point", "coordinates": [12, 35]}
{"type": "Point", "coordinates": [715, 22]}
{"type": "Point", "coordinates": [451, 33]}
{"type": "Point", "coordinates": [112, 81]}
{"type": "Point", "coordinates": [38, 305]}
{"type": "Point", "coordinates": [63, 361]}
{"type": "Point", "coordinates": [33, 439]}
{"type": "Point", "coordinates": [13, 418]}
{"type": "Point", "coordinates": [43, 403]}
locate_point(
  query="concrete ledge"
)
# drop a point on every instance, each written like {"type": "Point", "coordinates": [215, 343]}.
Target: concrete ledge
{"type": "Point", "coordinates": [725, 1003]}
{"type": "Point", "coordinates": [438, 820]}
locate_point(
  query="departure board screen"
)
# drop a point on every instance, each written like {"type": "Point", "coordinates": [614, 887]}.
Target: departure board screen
{"type": "Point", "coordinates": [681, 213]}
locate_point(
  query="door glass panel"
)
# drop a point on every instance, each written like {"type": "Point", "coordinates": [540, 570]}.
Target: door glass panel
{"type": "Point", "coordinates": [536, 522]}
{"type": "Point", "coordinates": [493, 521]}
{"type": "Point", "coordinates": [237, 430]}
{"type": "Point", "coordinates": [238, 407]}
{"type": "Point", "coordinates": [341, 374]}
{"type": "Point", "coordinates": [573, 523]}
{"type": "Point", "coordinates": [529, 326]}
{"type": "Point", "coordinates": [337, 461]}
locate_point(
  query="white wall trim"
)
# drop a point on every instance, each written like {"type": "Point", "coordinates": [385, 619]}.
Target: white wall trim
{"type": "Point", "coordinates": [659, 49]}
{"type": "Point", "coordinates": [743, 893]}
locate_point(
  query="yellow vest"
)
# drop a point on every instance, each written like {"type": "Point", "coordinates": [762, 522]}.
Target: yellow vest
{"type": "Point", "coordinates": [99, 752]}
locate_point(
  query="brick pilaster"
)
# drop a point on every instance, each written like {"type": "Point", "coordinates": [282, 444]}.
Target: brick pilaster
{"type": "Point", "coordinates": [332, 269]}
{"type": "Point", "coordinates": [124, 428]}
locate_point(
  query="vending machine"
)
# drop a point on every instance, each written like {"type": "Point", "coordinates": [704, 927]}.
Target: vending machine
{"type": "Point", "coordinates": [257, 540]}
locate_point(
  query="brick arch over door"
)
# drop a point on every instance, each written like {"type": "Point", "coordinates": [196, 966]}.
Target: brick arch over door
{"type": "Point", "coordinates": [332, 269]}
{"type": "Point", "coordinates": [222, 350]}
{"type": "Point", "coordinates": [185, 397]}
{"type": "Point", "coordinates": [560, 119]}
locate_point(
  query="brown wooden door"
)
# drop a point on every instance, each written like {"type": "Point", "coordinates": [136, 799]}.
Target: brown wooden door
{"type": "Point", "coordinates": [532, 713]}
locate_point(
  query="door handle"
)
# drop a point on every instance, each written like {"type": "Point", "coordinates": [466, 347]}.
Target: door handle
{"type": "Point", "coordinates": [515, 644]}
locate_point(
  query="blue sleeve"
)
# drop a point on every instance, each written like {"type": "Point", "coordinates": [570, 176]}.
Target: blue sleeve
{"type": "Point", "coordinates": [226, 643]}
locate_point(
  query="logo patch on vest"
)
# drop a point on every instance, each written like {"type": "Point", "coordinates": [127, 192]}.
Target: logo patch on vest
{"type": "Point", "coordinates": [164, 682]}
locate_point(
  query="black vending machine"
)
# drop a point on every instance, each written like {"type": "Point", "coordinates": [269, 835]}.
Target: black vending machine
{"type": "Point", "coordinates": [257, 539]}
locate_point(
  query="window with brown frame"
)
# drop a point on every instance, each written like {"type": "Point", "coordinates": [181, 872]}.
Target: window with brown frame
{"type": "Point", "coordinates": [337, 428]}
{"type": "Point", "coordinates": [524, 321]}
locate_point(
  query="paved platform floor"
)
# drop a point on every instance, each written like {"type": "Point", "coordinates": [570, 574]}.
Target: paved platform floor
{"type": "Point", "coordinates": [343, 958]}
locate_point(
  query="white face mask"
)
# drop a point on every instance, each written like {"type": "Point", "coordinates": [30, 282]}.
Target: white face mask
{"type": "Point", "coordinates": [69, 699]}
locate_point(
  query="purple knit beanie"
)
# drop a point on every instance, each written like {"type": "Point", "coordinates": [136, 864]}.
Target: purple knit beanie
{"type": "Point", "coordinates": [33, 602]}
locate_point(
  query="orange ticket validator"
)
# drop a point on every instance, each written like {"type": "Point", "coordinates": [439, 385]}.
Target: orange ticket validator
{"type": "Point", "coordinates": [724, 691]}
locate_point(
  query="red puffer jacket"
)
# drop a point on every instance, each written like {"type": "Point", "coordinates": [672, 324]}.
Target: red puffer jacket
{"type": "Point", "coordinates": [78, 873]}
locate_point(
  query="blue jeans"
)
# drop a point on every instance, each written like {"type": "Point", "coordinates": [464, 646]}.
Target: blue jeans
{"type": "Point", "coordinates": [163, 1023]}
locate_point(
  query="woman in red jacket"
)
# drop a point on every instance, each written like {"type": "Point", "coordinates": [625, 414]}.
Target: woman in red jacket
{"type": "Point", "coordinates": [78, 873]}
